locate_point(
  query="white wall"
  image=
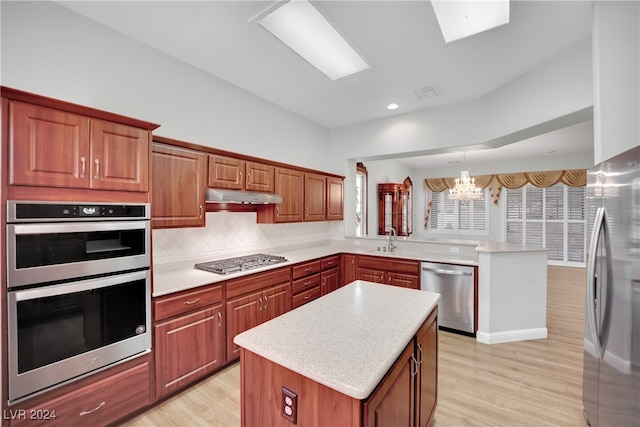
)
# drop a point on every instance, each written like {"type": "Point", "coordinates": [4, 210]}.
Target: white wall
{"type": "Point", "coordinates": [49, 50]}
{"type": "Point", "coordinates": [616, 68]}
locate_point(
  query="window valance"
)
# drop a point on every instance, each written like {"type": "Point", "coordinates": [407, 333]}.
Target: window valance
{"type": "Point", "coordinates": [572, 178]}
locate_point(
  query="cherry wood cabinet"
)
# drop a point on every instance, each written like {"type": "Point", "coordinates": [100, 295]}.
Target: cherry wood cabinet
{"type": "Point", "coordinates": [330, 280]}
{"type": "Point", "coordinates": [189, 337]}
{"type": "Point", "coordinates": [289, 184]}
{"type": "Point", "coordinates": [407, 396]}
{"type": "Point", "coordinates": [54, 148]}
{"type": "Point", "coordinates": [306, 282]}
{"type": "Point", "coordinates": [315, 202]}
{"type": "Point", "coordinates": [335, 199]}
{"type": "Point", "coordinates": [236, 174]}
{"type": "Point", "coordinates": [392, 271]}
{"type": "Point", "coordinates": [179, 176]}
{"type": "Point", "coordinates": [100, 402]}
{"type": "Point", "coordinates": [394, 209]}
{"type": "Point", "coordinates": [255, 299]}
{"type": "Point", "coordinates": [348, 269]}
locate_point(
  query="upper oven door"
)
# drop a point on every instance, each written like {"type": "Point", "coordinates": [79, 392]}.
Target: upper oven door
{"type": "Point", "coordinates": [38, 253]}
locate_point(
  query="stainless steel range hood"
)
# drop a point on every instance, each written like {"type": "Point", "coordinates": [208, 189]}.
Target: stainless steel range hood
{"type": "Point", "coordinates": [216, 195]}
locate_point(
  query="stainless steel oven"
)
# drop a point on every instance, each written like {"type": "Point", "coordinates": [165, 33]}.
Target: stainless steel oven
{"type": "Point", "coordinates": [79, 290]}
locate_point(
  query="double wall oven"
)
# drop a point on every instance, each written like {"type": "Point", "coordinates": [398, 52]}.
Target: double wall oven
{"type": "Point", "coordinates": [79, 290]}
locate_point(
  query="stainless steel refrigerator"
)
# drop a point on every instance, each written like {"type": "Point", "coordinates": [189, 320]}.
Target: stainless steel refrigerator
{"type": "Point", "coordinates": [611, 370]}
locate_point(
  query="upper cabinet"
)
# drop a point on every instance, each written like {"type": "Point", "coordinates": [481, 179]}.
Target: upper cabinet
{"type": "Point", "coordinates": [395, 208]}
{"type": "Point", "coordinates": [290, 185]}
{"type": "Point", "coordinates": [315, 200]}
{"type": "Point", "coordinates": [335, 198]}
{"type": "Point", "coordinates": [56, 144]}
{"type": "Point", "coordinates": [237, 174]}
{"type": "Point", "coordinates": [179, 176]}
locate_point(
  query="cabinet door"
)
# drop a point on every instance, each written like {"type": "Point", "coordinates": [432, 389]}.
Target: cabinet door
{"type": "Point", "coordinates": [243, 313]}
{"type": "Point", "coordinates": [47, 147]}
{"type": "Point", "coordinates": [275, 301]}
{"type": "Point", "coordinates": [335, 197]}
{"type": "Point", "coordinates": [290, 185]}
{"type": "Point", "coordinates": [348, 267]}
{"type": "Point", "coordinates": [187, 348]}
{"type": "Point", "coordinates": [427, 378]}
{"type": "Point", "coordinates": [226, 172]}
{"type": "Point", "coordinates": [260, 177]}
{"type": "Point", "coordinates": [404, 280]}
{"type": "Point", "coordinates": [314, 197]}
{"type": "Point", "coordinates": [119, 157]}
{"type": "Point", "coordinates": [370, 275]}
{"type": "Point", "coordinates": [178, 187]}
{"type": "Point", "coordinates": [392, 402]}
{"type": "Point", "coordinates": [330, 280]}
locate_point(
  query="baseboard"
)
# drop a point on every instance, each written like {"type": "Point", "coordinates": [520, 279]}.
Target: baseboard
{"type": "Point", "coordinates": [511, 336]}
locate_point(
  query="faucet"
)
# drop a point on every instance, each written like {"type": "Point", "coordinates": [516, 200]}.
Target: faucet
{"type": "Point", "coordinates": [391, 246]}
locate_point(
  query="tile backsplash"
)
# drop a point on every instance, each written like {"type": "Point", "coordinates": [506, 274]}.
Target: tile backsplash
{"type": "Point", "coordinates": [234, 232]}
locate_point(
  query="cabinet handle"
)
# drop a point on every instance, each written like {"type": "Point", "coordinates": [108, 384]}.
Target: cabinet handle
{"type": "Point", "coordinates": [421, 354]}
{"type": "Point", "coordinates": [277, 211]}
{"type": "Point", "coordinates": [83, 413]}
{"type": "Point", "coordinates": [260, 303]}
{"type": "Point", "coordinates": [97, 169]}
{"type": "Point", "coordinates": [240, 177]}
{"type": "Point", "coordinates": [219, 319]}
{"type": "Point", "coordinates": [201, 211]}
{"type": "Point", "coordinates": [353, 261]}
{"type": "Point", "coordinates": [330, 263]}
{"type": "Point", "coordinates": [266, 302]}
{"type": "Point", "coordinates": [414, 365]}
{"type": "Point", "coordinates": [192, 302]}
{"type": "Point", "coordinates": [249, 181]}
{"type": "Point", "coordinates": [84, 166]}
{"type": "Point", "coordinates": [382, 277]}
{"type": "Point", "coordinates": [307, 211]}
{"type": "Point", "coordinates": [308, 282]}
{"type": "Point", "coordinates": [307, 269]}
{"type": "Point", "coordinates": [307, 296]}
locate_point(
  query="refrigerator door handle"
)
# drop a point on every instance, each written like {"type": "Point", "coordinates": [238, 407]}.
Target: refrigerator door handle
{"type": "Point", "coordinates": [591, 279]}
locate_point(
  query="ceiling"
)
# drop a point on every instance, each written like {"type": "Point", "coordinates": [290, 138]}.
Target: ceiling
{"type": "Point", "coordinates": [400, 40]}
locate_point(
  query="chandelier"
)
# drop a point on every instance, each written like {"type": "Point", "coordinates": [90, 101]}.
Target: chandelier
{"type": "Point", "coordinates": [465, 188]}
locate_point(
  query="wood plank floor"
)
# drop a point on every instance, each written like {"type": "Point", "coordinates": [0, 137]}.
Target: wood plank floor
{"type": "Point", "coordinates": [529, 383]}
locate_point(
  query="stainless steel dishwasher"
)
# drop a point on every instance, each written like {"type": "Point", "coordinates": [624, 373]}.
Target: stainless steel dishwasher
{"type": "Point", "coordinates": [456, 285]}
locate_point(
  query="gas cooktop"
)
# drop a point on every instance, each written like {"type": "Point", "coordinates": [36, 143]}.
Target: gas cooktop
{"type": "Point", "coordinates": [242, 263]}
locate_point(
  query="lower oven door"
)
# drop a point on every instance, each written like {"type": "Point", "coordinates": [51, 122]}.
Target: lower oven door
{"type": "Point", "coordinates": [59, 332]}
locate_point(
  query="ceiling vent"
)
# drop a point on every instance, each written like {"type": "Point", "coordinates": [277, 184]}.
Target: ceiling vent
{"type": "Point", "coordinates": [427, 92]}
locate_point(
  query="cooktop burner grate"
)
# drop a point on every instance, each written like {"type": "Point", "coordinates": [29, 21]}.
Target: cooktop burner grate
{"type": "Point", "coordinates": [242, 263]}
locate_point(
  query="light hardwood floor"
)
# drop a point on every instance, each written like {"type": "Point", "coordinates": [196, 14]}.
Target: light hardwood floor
{"type": "Point", "coordinates": [528, 383]}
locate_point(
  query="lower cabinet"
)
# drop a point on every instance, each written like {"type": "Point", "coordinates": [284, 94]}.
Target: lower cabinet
{"type": "Point", "coordinates": [391, 271]}
{"type": "Point", "coordinates": [189, 337]}
{"type": "Point", "coordinates": [260, 297]}
{"type": "Point", "coordinates": [348, 269]}
{"type": "Point", "coordinates": [407, 396]}
{"type": "Point", "coordinates": [330, 280]}
{"type": "Point", "coordinates": [97, 404]}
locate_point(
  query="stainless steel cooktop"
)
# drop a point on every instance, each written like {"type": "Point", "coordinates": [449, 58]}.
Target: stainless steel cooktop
{"type": "Point", "coordinates": [242, 263]}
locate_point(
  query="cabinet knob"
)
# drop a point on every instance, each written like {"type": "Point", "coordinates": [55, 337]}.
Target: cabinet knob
{"type": "Point", "coordinates": [97, 162]}
{"type": "Point", "coordinates": [84, 166]}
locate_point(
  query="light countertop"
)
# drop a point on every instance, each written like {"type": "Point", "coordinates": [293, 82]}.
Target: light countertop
{"type": "Point", "coordinates": [187, 277]}
{"type": "Point", "coordinates": [347, 339]}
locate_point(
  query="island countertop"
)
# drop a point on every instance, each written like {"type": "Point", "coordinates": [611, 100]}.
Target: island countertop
{"type": "Point", "coordinates": [346, 340]}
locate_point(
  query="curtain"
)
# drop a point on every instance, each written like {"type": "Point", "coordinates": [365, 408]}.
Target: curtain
{"type": "Point", "coordinates": [572, 178]}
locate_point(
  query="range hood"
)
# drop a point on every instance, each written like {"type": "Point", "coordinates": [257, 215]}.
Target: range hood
{"type": "Point", "coordinates": [216, 195]}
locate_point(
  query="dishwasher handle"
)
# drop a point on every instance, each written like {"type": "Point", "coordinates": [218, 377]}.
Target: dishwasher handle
{"type": "Point", "coordinates": [448, 272]}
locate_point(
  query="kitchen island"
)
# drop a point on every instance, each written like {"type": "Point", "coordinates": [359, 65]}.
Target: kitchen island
{"type": "Point", "coordinates": [365, 354]}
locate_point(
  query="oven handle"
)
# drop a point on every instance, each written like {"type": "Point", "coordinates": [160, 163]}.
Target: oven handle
{"type": "Point", "coordinates": [75, 227]}
{"type": "Point", "coordinates": [80, 286]}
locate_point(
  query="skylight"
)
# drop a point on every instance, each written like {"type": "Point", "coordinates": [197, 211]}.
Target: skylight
{"type": "Point", "coordinates": [460, 19]}
{"type": "Point", "coordinates": [299, 25]}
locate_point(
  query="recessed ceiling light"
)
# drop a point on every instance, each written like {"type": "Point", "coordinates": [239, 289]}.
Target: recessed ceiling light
{"type": "Point", "coordinates": [300, 26]}
{"type": "Point", "coordinates": [393, 106]}
{"type": "Point", "coordinates": [460, 19]}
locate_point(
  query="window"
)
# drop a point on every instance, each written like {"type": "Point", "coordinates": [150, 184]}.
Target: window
{"type": "Point", "coordinates": [361, 200]}
{"type": "Point", "coordinates": [552, 217]}
{"type": "Point", "coordinates": [455, 216]}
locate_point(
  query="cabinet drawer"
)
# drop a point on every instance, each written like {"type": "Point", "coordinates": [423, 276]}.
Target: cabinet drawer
{"type": "Point", "coordinates": [305, 269]}
{"type": "Point", "coordinates": [330, 262]}
{"type": "Point", "coordinates": [97, 404]}
{"type": "Point", "coordinates": [389, 264]}
{"type": "Point", "coordinates": [306, 283]}
{"type": "Point", "coordinates": [306, 296]}
{"type": "Point", "coordinates": [184, 302]}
